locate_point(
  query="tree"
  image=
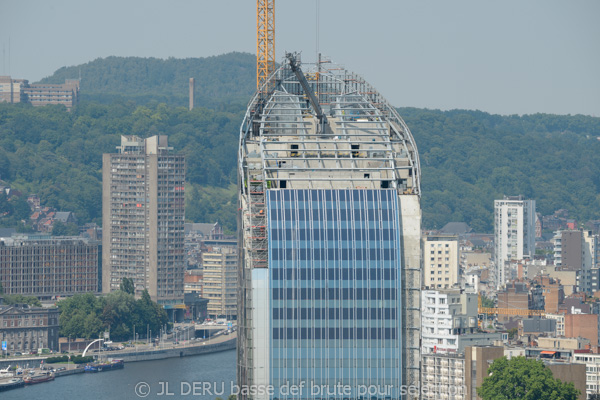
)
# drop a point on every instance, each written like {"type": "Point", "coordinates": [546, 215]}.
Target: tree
{"type": "Point", "coordinates": [59, 228]}
{"type": "Point", "coordinates": [521, 378]}
{"type": "Point", "coordinates": [487, 302]}
{"type": "Point", "coordinates": [20, 299]}
{"type": "Point", "coordinates": [127, 286]}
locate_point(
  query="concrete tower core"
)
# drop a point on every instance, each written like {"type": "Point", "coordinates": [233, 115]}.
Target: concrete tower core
{"type": "Point", "coordinates": [329, 238]}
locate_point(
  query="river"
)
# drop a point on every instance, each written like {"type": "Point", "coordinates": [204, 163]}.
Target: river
{"type": "Point", "coordinates": [199, 377]}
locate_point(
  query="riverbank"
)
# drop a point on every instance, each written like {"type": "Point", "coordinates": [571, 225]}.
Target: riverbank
{"type": "Point", "coordinates": [189, 350]}
{"type": "Point", "coordinates": [192, 348]}
{"type": "Point", "coordinates": [121, 384]}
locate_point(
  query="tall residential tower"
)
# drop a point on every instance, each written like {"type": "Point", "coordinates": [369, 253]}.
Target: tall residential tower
{"type": "Point", "coordinates": [143, 211]}
{"type": "Point", "coordinates": [329, 224]}
{"type": "Point", "coordinates": [514, 233]}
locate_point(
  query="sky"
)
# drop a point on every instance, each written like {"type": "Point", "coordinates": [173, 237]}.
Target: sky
{"type": "Point", "coordinates": [502, 57]}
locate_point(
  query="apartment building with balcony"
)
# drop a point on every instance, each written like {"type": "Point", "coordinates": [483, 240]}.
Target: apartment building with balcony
{"type": "Point", "coordinates": [143, 212]}
{"type": "Point", "coordinates": [220, 284]}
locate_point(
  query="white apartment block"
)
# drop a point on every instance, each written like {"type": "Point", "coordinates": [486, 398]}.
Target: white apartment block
{"type": "Point", "coordinates": [592, 371]}
{"type": "Point", "coordinates": [440, 261]}
{"type": "Point", "coordinates": [443, 376]}
{"type": "Point", "coordinates": [220, 281]}
{"type": "Point", "coordinates": [560, 323]}
{"type": "Point", "coordinates": [514, 233]}
{"type": "Point", "coordinates": [445, 315]}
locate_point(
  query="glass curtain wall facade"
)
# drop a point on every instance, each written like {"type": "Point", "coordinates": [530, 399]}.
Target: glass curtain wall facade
{"type": "Point", "coordinates": [335, 306]}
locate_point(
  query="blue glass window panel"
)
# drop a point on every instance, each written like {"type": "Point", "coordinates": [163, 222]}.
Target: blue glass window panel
{"type": "Point", "coordinates": [340, 248]}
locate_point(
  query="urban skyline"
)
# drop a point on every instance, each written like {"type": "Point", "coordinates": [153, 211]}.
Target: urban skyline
{"type": "Point", "coordinates": [334, 288]}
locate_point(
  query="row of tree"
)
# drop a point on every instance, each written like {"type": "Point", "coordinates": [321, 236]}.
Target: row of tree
{"type": "Point", "coordinates": [88, 316]}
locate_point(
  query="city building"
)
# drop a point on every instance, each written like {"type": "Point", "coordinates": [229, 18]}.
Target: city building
{"type": "Point", "coordinates": [575, 343]}
{"type": "Point", "coordinates": [26, 328]}
{"type": "Point", "coordinates": [192, 281]}
{"type": "Point", "coordinates": [582, 325]}
{"type": "Point", "coordinates": [477, 362]}
{"type": "Point", "coordinates": [143, 212]}
{"type": "Point", "coordinates": [49, 266]}
{"type": "Point", "coordinates": [553, 292]}
{"type": "Point", "coordinates": [449, 322]}
{"type": "Point", "coordinates": [530, 329]}
{"type": "Point", "coordinates": [592, 371]}
{"type": "Point", "coordinates": [11, 90]}
{"type": "Point", "coordinates": [39, 94]}
{"type": "Point", "coordinates": [514, 233]}
{"type": "Point", "coordinates": [440, 261]}
{"type": "Point", "coordinates": [196, 307]}
{"type": "Point", "coordinates": [569, 372]}
{"type": "Point", "coordinates": [560, 323]}
{"type": "Point", "coordinates": [330, 234]}
{"type": "Point", "coordinates": [520, 296]}
{"type": "Point", "coordinates": [443, 376]}
{"type": "Point", "coordinates": [220, 286]}
{"type": "Point", "coordinates": [197, 238]}
{"type": "Point", "coordinates": [577, 250]}
{"type": "Point", "coordinates": [446, 314]}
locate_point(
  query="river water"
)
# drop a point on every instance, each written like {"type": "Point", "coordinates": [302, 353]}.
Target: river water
{"type": "Point", "coordinates": [202, 377]}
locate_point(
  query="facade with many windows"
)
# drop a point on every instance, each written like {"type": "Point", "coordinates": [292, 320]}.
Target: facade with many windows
{"type": "Point", "coordinates": [592, 371]}
{"type": "Point", "coordinates": [219, 284]}
{"type": "Point", "coordinates": [329, 240]}
{"type": "Point", "coordinates": [440, 261]}
{"type": "Point", "coordinates": [514, 234]}
{"type": "Point", "coordinates": [26, 328]}
{"type": "Point", "coordinates": [143, 212]}
{"type": "Point", "coordinates": [39, 94]}
{"type": "Point", "coordinates": [48, 267]}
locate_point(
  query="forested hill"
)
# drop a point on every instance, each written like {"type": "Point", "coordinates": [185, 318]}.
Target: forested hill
{"type": "Point", "coordinates": [220, 80]}
{"type": "Point", "coordinates": [470, 158]}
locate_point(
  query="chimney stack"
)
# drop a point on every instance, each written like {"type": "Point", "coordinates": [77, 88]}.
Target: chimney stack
{"type": "Point", "coordinates": [192, 85]}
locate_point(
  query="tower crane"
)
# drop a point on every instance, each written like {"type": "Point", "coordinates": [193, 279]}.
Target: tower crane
{"type": "Point", "coordinates": [265, 41]}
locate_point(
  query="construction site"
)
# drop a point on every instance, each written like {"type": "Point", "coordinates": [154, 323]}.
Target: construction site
{"type": "Point", "coordinates": [329, 229]}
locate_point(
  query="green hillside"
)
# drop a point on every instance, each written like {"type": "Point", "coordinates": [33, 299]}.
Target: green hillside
{"type": "Point", "coordinates": [220, 80]}
{"type": "Point", "coordinates": [58, 155]}
{"type": "Point", "coordinates": [468, 158]}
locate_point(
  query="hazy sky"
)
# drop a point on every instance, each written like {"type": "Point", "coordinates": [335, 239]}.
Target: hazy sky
{"type": "Point", "coordinates": [505, 57]}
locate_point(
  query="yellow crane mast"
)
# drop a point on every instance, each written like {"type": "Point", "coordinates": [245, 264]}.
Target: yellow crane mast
{"type": "Point", "coordinates": [265, 40]}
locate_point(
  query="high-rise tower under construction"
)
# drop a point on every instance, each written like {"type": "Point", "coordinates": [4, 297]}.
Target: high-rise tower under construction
{"type": "Point", "coordinates": [329, 223]}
